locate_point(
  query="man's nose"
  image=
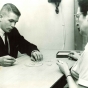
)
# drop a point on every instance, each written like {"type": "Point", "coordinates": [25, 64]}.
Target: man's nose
{"type": "Point", "coordinates": [13, 24]}
{"type": "Point", "coordinates": [77, 22]}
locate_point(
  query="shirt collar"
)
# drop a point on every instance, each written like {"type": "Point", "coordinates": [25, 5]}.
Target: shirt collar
{"type": "Point", "coordinates": [1, 32]}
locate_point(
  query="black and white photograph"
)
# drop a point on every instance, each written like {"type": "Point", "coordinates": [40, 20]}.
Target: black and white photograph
{"type": "Point", "coordinates": [43, 43]}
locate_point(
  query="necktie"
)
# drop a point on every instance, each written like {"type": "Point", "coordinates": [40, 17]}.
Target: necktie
{"type": "Point", "coordinates": [6, 43]}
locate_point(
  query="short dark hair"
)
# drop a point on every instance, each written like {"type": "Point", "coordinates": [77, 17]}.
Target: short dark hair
{"type": "Point", "coordinates": [9, 7]}
{"type": "Point", "coordinates": [83, 4]}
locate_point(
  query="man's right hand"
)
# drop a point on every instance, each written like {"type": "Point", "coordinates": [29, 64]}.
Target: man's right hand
{"type": "Point", "coordinates": [7, 60]}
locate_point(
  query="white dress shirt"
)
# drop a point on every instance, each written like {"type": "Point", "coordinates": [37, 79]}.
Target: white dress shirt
{"type": "Point", "coordinates": [2, 35]}
{"type": "Point", "coordinates": [81, 68]}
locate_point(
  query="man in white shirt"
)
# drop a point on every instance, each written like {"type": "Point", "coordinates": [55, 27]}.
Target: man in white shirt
{"type": "Point", "coordinates": [80, 69]}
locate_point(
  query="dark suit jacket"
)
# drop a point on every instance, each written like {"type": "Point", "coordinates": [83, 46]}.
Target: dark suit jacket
{"type": "Point", "coordinates": [17, 43]}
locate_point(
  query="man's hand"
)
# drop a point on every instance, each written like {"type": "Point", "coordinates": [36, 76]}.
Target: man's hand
{"type": "Point", "coordinates": [36, 56]}
{"type": "Point", "coordinates": [7, 60]}
{"type": "Point", "coordinates": [63, 67]}
{"type": "Point", "coordinates": [74, 55]}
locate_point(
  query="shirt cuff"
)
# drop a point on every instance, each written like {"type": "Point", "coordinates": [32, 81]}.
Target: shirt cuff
{"type": "Point", "coordinates": [33, 51]}
{"type": "Point", "coordinates": [83, 82]}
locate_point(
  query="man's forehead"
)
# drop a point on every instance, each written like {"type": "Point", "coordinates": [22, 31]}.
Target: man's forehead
{"type": "Point", "coordinates": [12, 16]}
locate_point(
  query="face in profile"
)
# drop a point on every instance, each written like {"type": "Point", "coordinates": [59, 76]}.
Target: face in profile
{"type": "Point", "coordinates": [8, 21]}
{"type": "Point", "coordinates": [82, 22]}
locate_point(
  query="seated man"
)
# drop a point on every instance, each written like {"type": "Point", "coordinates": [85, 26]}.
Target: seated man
{"type": "Point", "coordinates": [80, 69]}
{"type": "Point", "coordinates": [10, 39]}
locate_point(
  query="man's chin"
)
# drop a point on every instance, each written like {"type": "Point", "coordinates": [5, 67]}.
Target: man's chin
{"type": "Point", "coordinates": [8, 31]}
{"type": "Point", "coordinates": [83, 33]}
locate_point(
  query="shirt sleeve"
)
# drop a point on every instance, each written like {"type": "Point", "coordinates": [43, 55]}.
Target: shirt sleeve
{"type": "Point", "coordinates": [24, 46]}
{"type": "Point", "coordinates": [83, 70]}
{"type": "Point", "coordinates": [80, 68]}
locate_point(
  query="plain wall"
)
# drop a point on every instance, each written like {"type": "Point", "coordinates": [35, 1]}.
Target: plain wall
{"type": "Point", "coordinates": [40, 24]}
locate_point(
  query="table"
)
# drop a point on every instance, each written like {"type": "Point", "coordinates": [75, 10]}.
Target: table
{"type": "Point", "coordinates": [45, 75]}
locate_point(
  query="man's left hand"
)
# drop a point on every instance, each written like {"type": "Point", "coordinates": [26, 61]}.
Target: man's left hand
{"type": "Point", "coordinates": [36, 56]}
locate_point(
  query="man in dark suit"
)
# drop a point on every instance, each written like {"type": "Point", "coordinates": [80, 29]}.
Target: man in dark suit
{"type": "Point", "coordinates": [10, 39]}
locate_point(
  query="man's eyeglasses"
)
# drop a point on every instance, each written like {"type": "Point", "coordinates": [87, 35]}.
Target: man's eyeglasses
{"type": "Point", "coordinates": [77, 15]}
